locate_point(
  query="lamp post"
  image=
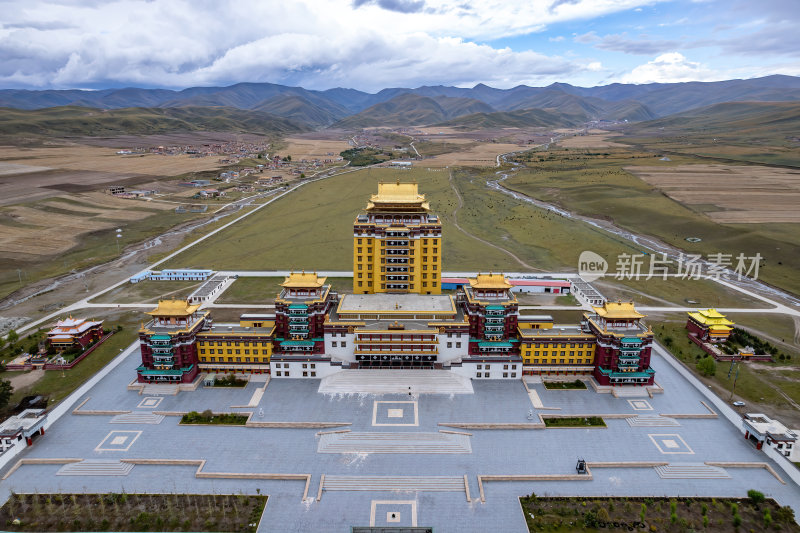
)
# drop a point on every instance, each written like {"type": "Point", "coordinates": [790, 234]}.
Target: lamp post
{"type": "Point", "coordinates": [119, 236]}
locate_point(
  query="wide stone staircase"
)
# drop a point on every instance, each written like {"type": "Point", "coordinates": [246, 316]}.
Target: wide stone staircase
{"type": "Point", "coordinates": [691, 471]}
{"type": "Point", "coordinates": [395, 382]}
{"type": "Point", "coordinates": [395, 483]}
{"type": "Point", "coordinates": [137, 418]}
{"type": "Point", "coordinates": [394, 443]}
{"type": "Point", "coordinates": [95, 467]}
{"type": "Point", "coordinates": [630, 392]}
{"type": "Point", "coordinates": [158, 389]}
{"type": "Point", "coordinates": [652, 421]}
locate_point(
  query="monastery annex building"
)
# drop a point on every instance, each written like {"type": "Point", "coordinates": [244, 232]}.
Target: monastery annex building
{"type": "Point", "coordinates": [396, 318]}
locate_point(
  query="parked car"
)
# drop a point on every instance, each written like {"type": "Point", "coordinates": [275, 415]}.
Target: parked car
{"type": "Point", "coordinates": [738, 404]}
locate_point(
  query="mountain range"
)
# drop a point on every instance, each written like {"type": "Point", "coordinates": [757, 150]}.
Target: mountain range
{"type": "Point", "coordinates": [287, 108]}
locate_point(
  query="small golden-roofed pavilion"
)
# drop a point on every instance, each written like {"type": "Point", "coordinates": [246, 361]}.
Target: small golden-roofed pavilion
{"type": "Point", "coordinates": [618, 311]}
{"type": "Point", "coordinates": [173, 308]}
{"type": "Point", "coordinates": [709, 324]}
{"type": "Point", "coordinates": [303, 280]}
{"type": "Point", "coordinates": [490, 282]}
{"type": "Point", "coordinates": [711, 317]}
{"type": "Point", "coordinates": [405, 195]}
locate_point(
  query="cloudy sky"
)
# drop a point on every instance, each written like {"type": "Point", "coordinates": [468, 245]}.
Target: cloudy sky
{"type": "Point", "coordinates": [372, 44]}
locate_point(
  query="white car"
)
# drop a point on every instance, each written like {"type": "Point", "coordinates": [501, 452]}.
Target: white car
{"type": "Point", "coordinates": [738, 404]}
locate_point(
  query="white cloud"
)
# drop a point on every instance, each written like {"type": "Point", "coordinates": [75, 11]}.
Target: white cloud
{"type": "Point", "coordinates": [595, 66]}
{"type": "Point", "coordinates": [669, 68]}
{"type": "Point", "coordinates": [178, 43]}
{"type": "Point", "coordinates": [556, 39]}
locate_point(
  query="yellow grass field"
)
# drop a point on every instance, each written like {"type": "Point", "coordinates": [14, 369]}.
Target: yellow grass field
{"type": "Point", "coordinates": [738, 194]}
{"type": "Point", "coordinates": [481, 155]}
{"type": "Point", "coordinates": [53, 226]}
{"type": "Point", "coordinates": [595, 139]}
{"type": "Point", "coordinates": [99, 159]}
{"type": "Point", "coordinates": [433, 130]}
{"type": "Point", "coordinates": [301, 148]}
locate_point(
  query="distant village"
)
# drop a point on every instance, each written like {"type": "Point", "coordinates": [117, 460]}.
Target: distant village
{"type": "Point", "coordinates": [281, 169]}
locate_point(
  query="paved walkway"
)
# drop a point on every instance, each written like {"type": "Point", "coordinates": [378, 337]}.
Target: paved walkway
{"type": "Point", "coordinates": [412, 382]}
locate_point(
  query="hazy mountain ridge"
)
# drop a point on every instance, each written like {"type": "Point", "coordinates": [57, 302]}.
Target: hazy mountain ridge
{"type": "Point", "coordinates": [299, 109]}
{"type": "Point", "coordinates": [413, 109]}
{"type": "Point", "coordinates": [79, 121]}
{"type": "Point", "coordinates": [774, 118]}
{"type": "Point", "coordinates": [351, 108]}
{"type": "Point", "coordinates": [525, 118]}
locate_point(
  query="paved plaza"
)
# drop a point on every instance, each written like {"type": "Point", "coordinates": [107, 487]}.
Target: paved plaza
{"type": "Point", "coordinates": [396, 459]}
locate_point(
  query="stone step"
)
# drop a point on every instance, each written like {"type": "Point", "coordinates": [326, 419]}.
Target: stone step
{"type": "Point", "coordinates": [137, 418]}
{"type": "Point", "coordinates": [152, 389]}
{"type": "Point", "coordinates": [395, 382]}
{"type": "Point", "coordinates": [652, 421]}
{"type": "Point", "coordinates": [394, 443]}
{"type": "Point", "coordinates": [395, 483]}
{"type": "Point", "coordinates": [630, 392]}
{"type": "Point", "coordinates": [691, 471]}
{"type": "Point", "coordinates": [95, 467]}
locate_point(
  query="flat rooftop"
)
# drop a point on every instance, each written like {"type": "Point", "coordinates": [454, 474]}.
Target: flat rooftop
{"type": "Point", "coordinates": [227, 329]}
{"type": "Point", "coordinates": [555, 331]}
{"type": "Point", "coordinates": [414, 325]}
{"type": "Point", "coordinates": [405, 303]}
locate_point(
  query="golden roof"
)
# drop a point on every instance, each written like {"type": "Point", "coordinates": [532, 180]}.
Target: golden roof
{"type": "Point", "coordinates": [618, 310]}
{"type": "Point", "coordinates": [303, 280]}
{"type": "Point", "coordinates": [489, 281]}
{"type": "Point", "coordinates": [398, 193]}
{"type": "Point", "coordinates": [711, 317]}
{"type": "Point", "coordinates": [174, 308]}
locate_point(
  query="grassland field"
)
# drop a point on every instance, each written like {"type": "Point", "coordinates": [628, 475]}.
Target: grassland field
{"type": "Point", "coordinates": [148, 292]}
{"type": "Point", "coordinates": [318, 234]}
{"type": "Point", "coordinates": [263, 290]}
{"type": "Point", "coordinates": [594, 183]}
{"type": "Point", "coordinates": [771, 150]}
{"type": "Point", "coordinates": [93, 248]}
{"type": "Point", "coordinates": [660, 292]}
{"type": "Point", "coordinates": [312, 228]}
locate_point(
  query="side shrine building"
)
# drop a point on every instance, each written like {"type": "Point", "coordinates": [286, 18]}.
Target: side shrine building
{"type": "Point", "coordinates": [397, 318]}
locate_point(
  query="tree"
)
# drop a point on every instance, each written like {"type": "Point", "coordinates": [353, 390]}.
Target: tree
{"type": "Point", "coordinates": [6, 390]}
{"type": "Point", "coordinates": [12, 336]}
{"type": "Point", "coordinates": [755, 496]}
{"type": "Point", "coordinates": [707, 366]}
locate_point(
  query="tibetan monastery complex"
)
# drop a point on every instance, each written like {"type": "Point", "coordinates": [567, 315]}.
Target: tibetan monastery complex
{"type": "Point", "coordinates": [396, 317]}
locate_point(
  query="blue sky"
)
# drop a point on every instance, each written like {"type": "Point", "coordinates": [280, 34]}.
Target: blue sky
{"type": "Point", "coordinates": [372, 44]}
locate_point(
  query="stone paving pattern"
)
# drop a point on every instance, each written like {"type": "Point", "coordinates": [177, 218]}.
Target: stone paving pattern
{"type": "Point", "coordinates": [493, 452]}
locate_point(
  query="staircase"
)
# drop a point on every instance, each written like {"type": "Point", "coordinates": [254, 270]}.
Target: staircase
{"type": "Point", "coordinates": [394, 443]}
{"type": "Point", "coordinates": [395, 483]}
{"type": "Point", "coordinates": [95, 467]}
{"type": "Point", "coordinates": [137, 418]}
{"type": "Point", "coordinates": [630, 392]}
{"type": "Point", "coordinates": [652, 421]}
{"type": "Point", "coordinates": [158, 389]}
{"type": "Point", "coordinates": [395, 382]}
{"type": "Point", "coordinates": [691, 471]}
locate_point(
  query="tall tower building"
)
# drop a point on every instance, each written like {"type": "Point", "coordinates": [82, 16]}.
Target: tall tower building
{"type": "Point", "coordinates": [397, 243]}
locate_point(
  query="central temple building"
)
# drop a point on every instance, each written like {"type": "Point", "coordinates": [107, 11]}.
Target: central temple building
{"type": "Point", "coordinates": [397, 244]}
{"type": "Point", "coordinates": [397, 318]}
